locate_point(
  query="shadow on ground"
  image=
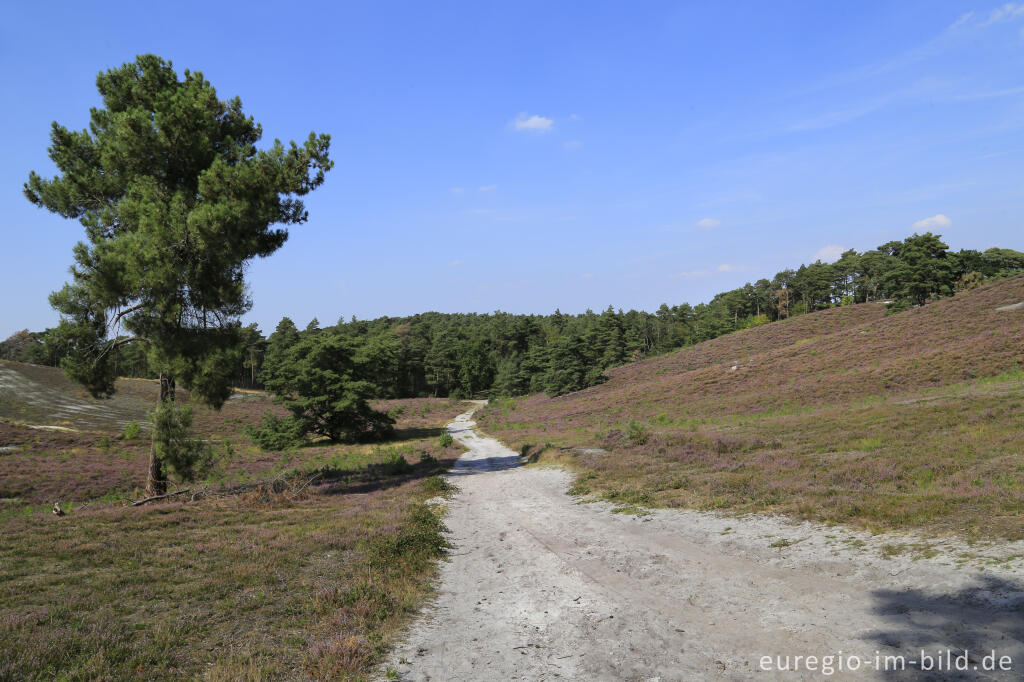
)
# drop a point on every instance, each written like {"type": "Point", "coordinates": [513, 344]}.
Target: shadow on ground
{"type": "Point", "coordinates": [986, 617]}
{"type": "Point", "coordinates": [485, 464]}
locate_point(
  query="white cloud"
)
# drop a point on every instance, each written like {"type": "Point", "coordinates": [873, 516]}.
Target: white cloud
{"type": "Point", "coordinates": [587, 275]}
{"type": "Point", "coordinates": [725, 267]}
{"type": "Point", "coordinates": [707, 224]}
{"type": "Point", "coordinates": [963, 19]}
{"type": "Point", "coordinates": [488, 188]}
{"type": "Point", "coordinates": [991, 94]}
{"type": "Point", "coordinates": [832, 119]}
{"type": "Point", "coordinates": [455, 263]}
{"type": "Point", "coordinates": [535, 123]}
{"type": "Point", "coordinates": [457, 190]}
{"type": "Point", "coordinates": [1007, 12]}
{"type": "Point", "coordinates": [691, 274]}
{"type": "Point", "coordinates": [572, 144]}
{"type": "Point", "coordinates": [933, 222]}
{"type": "Point", "coordinates": [830, 253]}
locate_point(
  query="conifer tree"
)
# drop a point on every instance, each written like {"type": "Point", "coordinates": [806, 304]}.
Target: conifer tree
{"type": "Point", "coordinates": [175, 199]}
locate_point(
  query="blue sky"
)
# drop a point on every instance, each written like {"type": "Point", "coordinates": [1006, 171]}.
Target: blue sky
{"type": "Point", "coordinates": [531, 156]}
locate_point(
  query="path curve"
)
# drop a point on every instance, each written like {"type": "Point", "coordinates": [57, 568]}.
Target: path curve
{"type": "Point", "coordinates": [539, 587]}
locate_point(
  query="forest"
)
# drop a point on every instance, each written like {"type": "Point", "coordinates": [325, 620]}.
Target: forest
{"type": "Point", "coordinates": [504, 354]}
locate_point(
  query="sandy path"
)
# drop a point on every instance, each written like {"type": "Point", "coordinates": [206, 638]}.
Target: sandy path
{"type": "Point", "coordinates": [540, 587]}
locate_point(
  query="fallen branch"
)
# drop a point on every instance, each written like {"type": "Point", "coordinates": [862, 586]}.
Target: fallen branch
{"type": "Point", "coordinates": [280, 484]}
{"type": "Point", "coordinates": [154, 498]}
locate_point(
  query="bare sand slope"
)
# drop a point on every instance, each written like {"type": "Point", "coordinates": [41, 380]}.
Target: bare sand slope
{"type": "Point", "coordinates": [28, 399]}
{"type": "Point", "coordinates": [540, 587]}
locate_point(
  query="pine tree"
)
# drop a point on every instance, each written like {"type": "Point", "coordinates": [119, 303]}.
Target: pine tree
{"type": "Point", "coordinates": [175, 199]}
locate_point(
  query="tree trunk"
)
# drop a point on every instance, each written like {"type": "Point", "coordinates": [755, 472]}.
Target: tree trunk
{"type": "Point", "coordinates": [156, 482]}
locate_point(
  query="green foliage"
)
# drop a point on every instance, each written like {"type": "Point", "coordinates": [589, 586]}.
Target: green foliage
{"type": "Point", "coordinates": [276, 433]}
{"type": "Point", "coordinates": [898, 306]}
{"type": "Point", "coordinates": [325, 381]}
{"type": "Point", "coordinates": [132, 430]}
{"type": "Point", "coordinates": [569, 367]}
{"type": "Point", "coordinates": [446, 440]}
{"type": "Point", "coordinates": [923, 268]}
{"type": "Point", "coordinates": [182, 456]}
{"type": "Point", "coordinates": [756, 321]}
{"type": "Point", "coordinates": [395, 464]}
{"type": "Point", "coordinates": [175, 199]}
{"type": "Point", "coordinates": [637, 433]}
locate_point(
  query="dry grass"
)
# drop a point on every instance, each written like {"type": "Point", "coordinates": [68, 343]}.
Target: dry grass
{"type": "Point", "coordinates": [911, 420]}
{"type": "Point", "coordinates": [299, 584]}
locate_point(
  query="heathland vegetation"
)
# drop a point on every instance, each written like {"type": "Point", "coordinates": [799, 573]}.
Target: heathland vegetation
{"type": "Point", "coordinates": [295, 565]}
{"type": "Point", "coordinates": [845, 415]}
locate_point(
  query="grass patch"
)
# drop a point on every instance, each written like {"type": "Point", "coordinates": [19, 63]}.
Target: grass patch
{"type": "Point", "coordinates": [261, 585]}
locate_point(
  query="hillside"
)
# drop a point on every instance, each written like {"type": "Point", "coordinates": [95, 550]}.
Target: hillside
{"type": "Point", "coordinates": [845, 414]}
{"type": "Point", "coordinates": [328, 548]}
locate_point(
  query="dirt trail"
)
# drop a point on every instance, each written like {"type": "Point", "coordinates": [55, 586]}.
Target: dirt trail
{"type": "Point", "coordinates": [539, 586]}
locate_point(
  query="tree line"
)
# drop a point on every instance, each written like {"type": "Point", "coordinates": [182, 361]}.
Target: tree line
{"type": "Point", "coordinates": [503, 354]}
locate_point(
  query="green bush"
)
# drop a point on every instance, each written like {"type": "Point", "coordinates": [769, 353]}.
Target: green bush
{"type": "Point", "coordinates": [276, 433]}
{"type": "Point", "coordinates": [395, 464]}
{"type": "Point", "coordinates": [326, 381]}
{"type": "Point", "coordinates": [445, 440]}
{"type": "Point", "coordinates": [185, 458]}
{"type": "Point", "coordinates": [132, 430]}
{"type": "Point", "coordinates": [637, 433]}
{"type": "Point", "coordinates": [437, 486]}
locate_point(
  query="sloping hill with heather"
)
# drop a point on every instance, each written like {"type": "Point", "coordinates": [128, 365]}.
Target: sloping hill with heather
{"type": "Point", "coordinates": [845, 414]}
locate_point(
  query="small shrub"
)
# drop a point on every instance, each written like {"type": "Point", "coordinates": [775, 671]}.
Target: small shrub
{"type": "Point", "coordinates": [395, 464]}
{"type": "Point", "coordinates": [579, 489]}
{"type": "Point", "coordinates": [184, 457]}
{"type": "Point", "coordinates": [416, 547]}
{"type": "Point", "coordinates": [276, 433]}
{"type": "Point", "coordinates": [446, 440]}
{"type": "Point", "coordinates": [637, 433]}
{"type": "Point", "coordinates": [132, 430]}
{"type": "Point", "coordinates": [438, 487]}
